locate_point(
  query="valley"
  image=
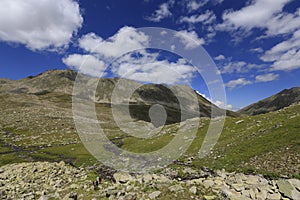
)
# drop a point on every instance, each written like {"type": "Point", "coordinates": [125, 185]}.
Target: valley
{"type": "Point", "coordinates": [36, 126]}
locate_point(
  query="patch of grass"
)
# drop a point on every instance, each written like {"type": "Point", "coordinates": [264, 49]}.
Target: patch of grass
{"type": "Point", "coordinates": [11, 158]}
{"type": "Point", "coordinates": [146, 145]}
{"type": "Point", "coordinates": [75, 153]}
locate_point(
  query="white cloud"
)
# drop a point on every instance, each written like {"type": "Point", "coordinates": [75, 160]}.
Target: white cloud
{"type": "Point", "coordinates": [189, 39]}
{"type": "Point", "coordinates": [285, 55]}
{"type": "Point", "coordinates": [163, 32]}
{"type": "Point", "coordinates": [238, 83]}
{"type": "Point", "coordinates": [258, 79]}
{"type": "Point", "coordinates": [221, 104]}
{"type": "Point", "coordinates": [125, 40]}
{"type": "Point", "coordinates": [146, 67]}
{"type": "Point", "coordinates": [283, 47]}
{"type": "Point", "coordinates": [220, 57]}
{"type": "Point", "coordinates": [283, 23]}
{"type": "Point", "coordinates": [288, 61]}
{"type": "Point", "coordinates": [257, 50]}
{"type": "Point", "coordinates": [228, 67]}
{"type": "Point", "coordinates": [195, 5]}
{"type": "Point", "coordinates": [266, 77]}
{"type": "Point", "coordinates": [173, 47]}
{"type": "Point", "coordinates": [162, 12]}
{"type": "Point", "coordinates": [39, 25]}
{"type": "Point", "coordinates": [237, 66]}
{"type": "Point", "coordinates": [257, 14]}
{"type": "Point", "coordinates": [206, 18]}
{"type": "Point", "coordinates": [86, 64]}
{"type": "Point", "coordinates": [266, 15]}
{"type": "Point", "coordinates": [135, 63]}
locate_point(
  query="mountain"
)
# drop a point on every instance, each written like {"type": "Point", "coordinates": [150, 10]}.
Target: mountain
{"type": "Point", "coordinates": [57, 85]}
{"type": "Point", "coordinates": [278, 101]}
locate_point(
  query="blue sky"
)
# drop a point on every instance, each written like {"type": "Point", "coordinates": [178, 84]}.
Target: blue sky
{"type": "Point", "coordinates": [254, 43]}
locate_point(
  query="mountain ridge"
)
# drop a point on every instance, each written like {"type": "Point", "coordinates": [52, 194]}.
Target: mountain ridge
{"type": "Point", "coordinates": [59, 84]}
{"type": "Point", "coordinates": [275, 102]}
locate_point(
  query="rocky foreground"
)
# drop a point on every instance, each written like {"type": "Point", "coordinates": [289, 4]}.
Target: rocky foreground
{"type": "Point", "coordinates": [44, 180]}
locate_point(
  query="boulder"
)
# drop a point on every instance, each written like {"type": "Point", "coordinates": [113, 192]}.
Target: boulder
{"type": "Point", "coordinates": [285, 188]}
{"type": "Point", "coordinates": [122, 177]}
{"type": "Point", "coordinates": [175, 188]}
{"type": "Point", "coordinates": [154, 195]}
{"type": "Point", "coordinates": [274, 196]}
{"type": "Point", "coordinates": [193, 190]}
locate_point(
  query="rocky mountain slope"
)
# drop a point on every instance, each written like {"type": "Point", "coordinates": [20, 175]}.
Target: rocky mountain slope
{"type": "Point", "coordinates": [59, 83]}
{"type": "Point", "coordinates": [278, 101]}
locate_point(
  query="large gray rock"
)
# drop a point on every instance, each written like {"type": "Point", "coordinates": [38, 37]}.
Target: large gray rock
{"type": "Point", "coordinates": [147, 178]}
{"type": "Point", "coordinates": [122, 177]}
{"type": "Point", "coordinates": [176, 188]}
{"type": "Point", "coordinates": [296, 191]}
{"type": "Point", "coordinates": [209, 197]}
{"type": "Point", "coordinates": [238, 187]}
{"type": "Point", "coordinates": [275, 196]}
{"type": "Point", "coordinates": [193, 190]}
{"type": "Point", "coordinates": [154, 195]}
{"type": "Point", "coordinates": [208, 183]}
{"type": "Point", "coordinates": [285, 188]}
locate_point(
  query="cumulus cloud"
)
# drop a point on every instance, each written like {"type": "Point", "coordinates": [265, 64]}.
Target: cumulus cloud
{"type": "Point", "coordinates": [86, 64]}
{"type": "Point", "coordinates": [266, 77]}
{"type": "Point", "coordinates": [39, 25]}
{"type": "Point", "coordinates": [195, 5]}
{"type": "Point", "coordinates": [257, 14]}
{"type": "Point", "coordinates": [133, 61]}
{"type": "Point", "coordinates": [162, 12]}
{"type": "Point", "coordinates": [285, 55]}
{"type": "Point", "coordinates": [189, 39]}
{"type": "Point", "coordinates": [227, 66]}
{"type": "Point", "coordinates": [283, 23]}
{"type": "Point", "coordinates": [238, 83]}
{"type": "Point", "coordinates": [220, 57]}
{"type": "Point", "coordinates": [125, 40]}
{"type": "Point", "coordinates": [288, 61]}
{"type": "Point", "coordinates": [282, 47]}
{"type": "Point", "coordinates": [268, 16]}
{"type": "Point", "coordinates": [146, 67]}
{"type": "Point", "coordinates": [258, 79]}
{"type": "Point", "coordinates": [206, 18]}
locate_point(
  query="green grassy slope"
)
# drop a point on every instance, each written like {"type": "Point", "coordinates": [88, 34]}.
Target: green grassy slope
{"type": "Point", "coordinates": [268, 143]}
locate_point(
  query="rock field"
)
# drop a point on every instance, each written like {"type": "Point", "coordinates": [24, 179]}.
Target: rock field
{"type": "Point", "coordinates": [45, 180]}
